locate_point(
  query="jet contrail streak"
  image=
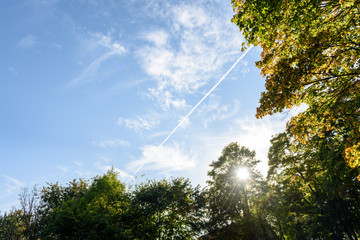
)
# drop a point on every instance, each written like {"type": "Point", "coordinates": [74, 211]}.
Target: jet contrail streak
{"type": "Point", "coordinates": [194, 108]}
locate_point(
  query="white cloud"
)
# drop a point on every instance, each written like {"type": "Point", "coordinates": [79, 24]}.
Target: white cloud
{"type": "Point", "coordinates": [146, 122]}
{"type": "Point", "coordinates": [189, 16]}
{"type": "Point", "coordinates": [83, 173]}
{"type": "Point", "coordinates": [63, 168]}
{"type": "Point", "coordinates": [112, 49]}
{"type": "Point", "coordinates": [10, 185]}
{"type": "Point", "coordinates": [104, 167]}
{"type": "Point", "coordinates": [158, 134]}
{"type": "Point", "coordinates": [163, 158]}
{"type": "Point", "coordinates": [90, 70]}
{"type": "Point", "coordinates": [185, 123]}
{"type": "Point", "coordinates": [165, 99]}
{"type": "Point", "coordinates": [214, 110]}
{"type": "Point", "coordinates": [108, 42]}
{"type": "Point", "coordinates": [82, 170]}
{"type": "Point", "coordinates": [9, 189]}
{"type": "Point", "coordinates": [27, 42]}
{"type": "Point", "coordinates": [111, 143]}
{"type": "Point", "coordinates": [122, 174]}
{"type": "Point", "coordinates": [183, 60]}
{"type": "Point", "coordinates": [256, 135]}
{"type": "Point", "coordinates": [78, 163]}
{"type": "Point", "coordinates": [252, 133]}
{"type": "Point", "coordinates": [158, 38]}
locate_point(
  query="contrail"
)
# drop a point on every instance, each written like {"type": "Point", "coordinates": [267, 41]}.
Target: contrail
{"type": "Point", "coordinates": [194, 108]}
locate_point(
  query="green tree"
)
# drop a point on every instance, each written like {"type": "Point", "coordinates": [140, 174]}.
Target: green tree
{"type": "Point", "coordinates": [310, 54]}
{"type": "Point", "coordinates": [235, 205]}
{"type": "Point", "coordinates": [55, 200]}
{"type": "Point", "coordinates": [167, 210]}
{"type": "Point", "coordinates": [11, 226]}
{"type": "Point", "coordinates": [86, 211]}
{"type": "Point", "coordinates": [23, 223]}
{"type": "Point", "coordinates": [104, 209]}
{"type": "Point", "coordinates": [315, 193]}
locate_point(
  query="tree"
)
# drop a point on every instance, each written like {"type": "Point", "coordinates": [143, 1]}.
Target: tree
{"type": "Point", "coordinates": [235, 205]}
{"type": "Point", "coordinates": [316, 194]}
{"type": "Point", "coordinates": [167, 210]}
{"type": "Point", "coordinates": [23, 223]}
{"type": "Point", "coordinates": [311, 52]}
{"type": "Point", "coordinates": [82, 211]}
{"type": "Point", "coordinates": [30, 213]}
{"type": "Point", "coordinates": [55, 200]}
{"type": "Point", "coordinates": [11, 227]}
{"type": "Point", "coordinates": [104, 209]}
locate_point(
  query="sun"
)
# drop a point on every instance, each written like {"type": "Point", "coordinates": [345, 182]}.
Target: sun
{"type": "Point", "coordinates": [242, 173]}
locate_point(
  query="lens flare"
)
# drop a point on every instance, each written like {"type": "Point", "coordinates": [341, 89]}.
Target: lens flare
{"type": "Point", "coordinates": [242, 173]}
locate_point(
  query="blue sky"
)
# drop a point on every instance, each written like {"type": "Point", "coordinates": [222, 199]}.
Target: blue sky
{"type": "Point", "coordinates": [90, 84]}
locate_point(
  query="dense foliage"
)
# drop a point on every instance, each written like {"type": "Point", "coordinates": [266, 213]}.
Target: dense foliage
{"type": "Point", "coordinates": [102, 208]}
{"type": "Point", "coordinates": [310, 54]}
{"type": "Point", "coordinates": [167, 210]}
{"type": "Point", "coordinates": [315, 193]}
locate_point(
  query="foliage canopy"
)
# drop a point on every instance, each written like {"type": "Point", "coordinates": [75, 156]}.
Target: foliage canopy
{"type": "Point", "coordinates": [310, 54]}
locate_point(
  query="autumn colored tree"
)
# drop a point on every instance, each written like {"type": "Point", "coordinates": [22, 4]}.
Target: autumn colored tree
{"type": "Point", "coordinates": [310, 54]}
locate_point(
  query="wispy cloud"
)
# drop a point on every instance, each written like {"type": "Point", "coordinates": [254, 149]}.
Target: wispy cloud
{"type": "Point", "coordinates": [145, 122]}
{"type": "Point", "coordinates": [112, 49]}
{"type": "Point", "coordinates": [203, 45]}
{"type": "Point", "coordinates": [215, 110]}
{"type": "Point", "coordinates": [122, 174]}
{"type": "Point", "coordinates": [63, 168]}
{"type": "Point", "coordinates": [104, 166]}
{"type": "Point", "coordinates": [78, 163]}
{"type": "Point", "coordinates": [249, 132]}
{"type": "Point", "coordinates": [165, 98]}
{"type": "Point", "coordinates": [10, 186]}
{"type": "Point", "coordinates": [9, 190]}
{"type": "Point", "coordinates": [90, 70]}
{"type": "Point", "coordinates": [112, 143]}
{"type": "Point", "coordinates": [82, 170]}
{"type": "Point", "coordinates": [158, 37]}
{"type": "Point", "coordinates": [84, 173]}
{"type": "Point", "coordinates": [13, 70]}
{"type": "Point", "coordinates": [27, 42]}
{"type": "Point", "coordinates": [158, 134]}
{"type": "Point", "coordinates": [164, 158]}
{"type": "Point", "coordinates": [56, 45]}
